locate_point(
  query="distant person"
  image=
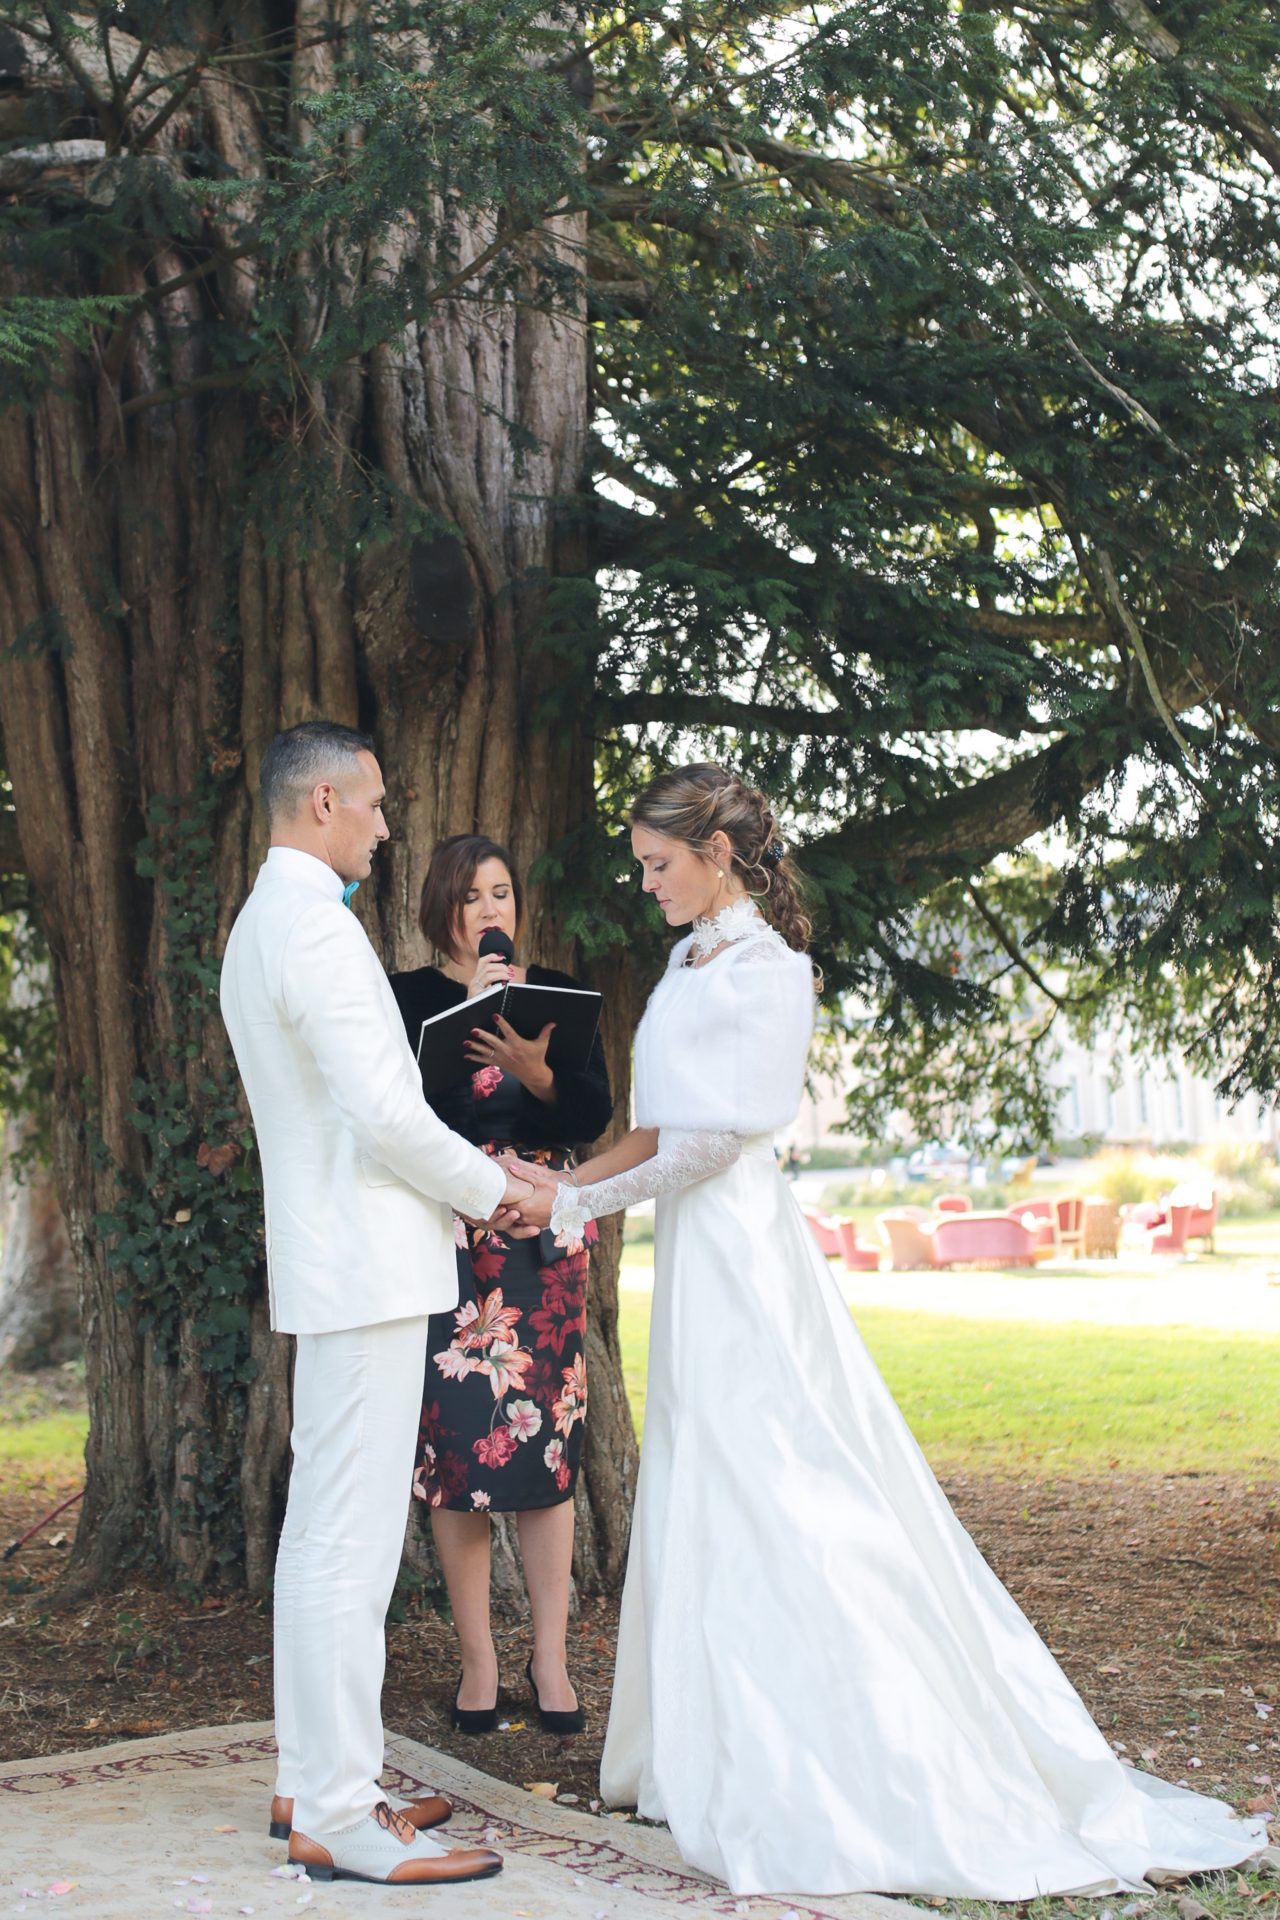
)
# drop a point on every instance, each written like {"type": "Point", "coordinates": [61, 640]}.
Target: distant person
{"type": "Point", "coordinates": [510, 1443]}
{"type": "Point", "coordinates": [359, 1179]}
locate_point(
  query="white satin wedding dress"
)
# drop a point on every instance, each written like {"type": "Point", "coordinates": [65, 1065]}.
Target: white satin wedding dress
{"type": "Point", "coordinates": [821, 1687]}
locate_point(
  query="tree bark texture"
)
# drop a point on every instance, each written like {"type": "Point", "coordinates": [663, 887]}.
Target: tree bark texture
{"type": "Point", "coordinates": [188, 635]}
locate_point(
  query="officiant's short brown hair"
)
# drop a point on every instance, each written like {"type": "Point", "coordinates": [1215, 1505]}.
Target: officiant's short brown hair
{"type": "Point", "coordinates": [448, 882]}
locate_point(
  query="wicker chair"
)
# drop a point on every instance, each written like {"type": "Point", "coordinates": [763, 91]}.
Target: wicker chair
{"type": "Point", "coordinates": [1101, 1228]}
{"type": "Point", "coordinates": [1070, 1216]}
{"type": "Point", "coordinates": [909, 1241]}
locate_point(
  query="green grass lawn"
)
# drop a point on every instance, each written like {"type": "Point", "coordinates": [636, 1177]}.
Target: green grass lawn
{"type": "Point", "coordinates": [43, 1426]}
{"type": "Point", "coordinates": [994, 1396]}
{"type": "Point", "coordinates": [1014, 1397]}
{"type": "Point", "coordinates": [44, 1452]}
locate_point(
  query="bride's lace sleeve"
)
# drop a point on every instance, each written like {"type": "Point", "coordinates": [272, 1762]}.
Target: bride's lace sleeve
{"type": "Point", "coordinates": [695, 1157]}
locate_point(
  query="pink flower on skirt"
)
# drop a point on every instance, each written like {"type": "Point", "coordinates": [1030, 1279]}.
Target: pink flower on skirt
{"type": "Point", "coordinates": [524, 1419]}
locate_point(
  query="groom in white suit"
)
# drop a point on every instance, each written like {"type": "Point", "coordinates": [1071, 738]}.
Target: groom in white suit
{"type": "Point", "coordinates": [360, 1181]}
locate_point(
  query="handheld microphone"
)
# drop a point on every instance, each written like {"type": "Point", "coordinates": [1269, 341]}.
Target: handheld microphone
{"type": "Point", "coordinates": [494, 940]}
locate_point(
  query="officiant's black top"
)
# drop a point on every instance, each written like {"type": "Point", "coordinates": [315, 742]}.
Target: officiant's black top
{"type": "Point", "coordinates": [505, 1395]}
{"type": "Point", "coordinates": [582, 1105]}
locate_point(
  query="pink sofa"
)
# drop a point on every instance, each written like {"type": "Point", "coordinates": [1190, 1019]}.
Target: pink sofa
{"type": "Point", "coordinates": [1040, 1217]}
{"type": "Point", "coordinates": [985, 1240]}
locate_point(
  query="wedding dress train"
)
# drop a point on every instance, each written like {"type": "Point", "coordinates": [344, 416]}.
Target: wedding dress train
{"type": "Point", "coordinates": [821, 1687]}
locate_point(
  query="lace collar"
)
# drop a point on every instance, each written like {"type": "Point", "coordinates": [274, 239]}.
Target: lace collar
{"type": "Point", "coordinates": [738, 921]}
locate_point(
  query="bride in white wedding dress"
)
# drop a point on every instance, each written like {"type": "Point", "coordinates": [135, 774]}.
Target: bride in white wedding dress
{"type": "Point", "coordinates": [821, 1687]}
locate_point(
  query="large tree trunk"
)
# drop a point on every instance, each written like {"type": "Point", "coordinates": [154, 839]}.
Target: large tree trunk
{"type": "Point", "coordinates": [189, 633]}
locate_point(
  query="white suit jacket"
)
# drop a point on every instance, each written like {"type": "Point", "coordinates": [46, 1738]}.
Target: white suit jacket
{"type": "Point", "coordinates": [359, 1176]}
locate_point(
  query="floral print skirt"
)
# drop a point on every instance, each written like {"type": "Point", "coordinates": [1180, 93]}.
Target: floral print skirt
{"type": "Point", "coordinates": [506, 1383]}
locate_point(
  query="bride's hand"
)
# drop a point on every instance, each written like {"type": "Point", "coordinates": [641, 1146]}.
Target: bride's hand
{"type": "Point", "coordinates": [533, 1171]}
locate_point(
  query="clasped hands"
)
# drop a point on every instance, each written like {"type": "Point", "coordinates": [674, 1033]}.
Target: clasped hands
{"type": "Point", "coordinates": [526, 1205]}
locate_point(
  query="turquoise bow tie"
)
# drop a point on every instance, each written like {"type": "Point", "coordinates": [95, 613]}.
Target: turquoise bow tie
{"type": "Point", "coordinates": [349, 892]}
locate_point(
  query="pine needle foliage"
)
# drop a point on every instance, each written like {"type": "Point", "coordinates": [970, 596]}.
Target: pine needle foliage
{"type": "Point", "coordinates": [933, 466]}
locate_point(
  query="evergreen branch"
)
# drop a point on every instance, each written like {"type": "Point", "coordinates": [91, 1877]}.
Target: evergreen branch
{"type": "Point", "coordinates": [62, 44]}
{"type": "Point", "coordinates": [1133, 633]}
{"type": "Point", "coordinates": [625, 538]}
{"type": "Point", "coordinates": [1130, 405]}
{"type": "Point", "coordinates": [1163, 47]}
{"type": "Point", "coordinates": [603, 40]}
{"type": "Point", "coordinates": [846, 179]}
{"type": "Point", "coordinates": [190, 81]}
{"type": "Point", "coordinates": [203, 383]}
{"type": "Point", "coordinates": [965, 829]}
{"type": "Point", "coordinates": [709, 710]}
{"type": "Point", "coordinates": [1014, 951]}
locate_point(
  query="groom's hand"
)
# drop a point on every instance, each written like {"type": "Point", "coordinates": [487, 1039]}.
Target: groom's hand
{"type": "Point", "coordinates": [508, 1208]}
{"type": "Point", "coordinates": [535, 1212]}
{"type": "Point", "coordinates": [531, 1211]}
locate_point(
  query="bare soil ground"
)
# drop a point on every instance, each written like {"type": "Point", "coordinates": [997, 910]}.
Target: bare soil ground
{"type": "Point", "coordinates": [1161, 1597]}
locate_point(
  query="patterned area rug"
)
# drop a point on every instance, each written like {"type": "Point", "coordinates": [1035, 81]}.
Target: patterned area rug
{"type": "Point", "coordinates": [178, 1825]}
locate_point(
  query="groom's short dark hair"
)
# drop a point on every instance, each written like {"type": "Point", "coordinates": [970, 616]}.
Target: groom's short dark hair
{"type": "Point", "coordinates": [302, 756]}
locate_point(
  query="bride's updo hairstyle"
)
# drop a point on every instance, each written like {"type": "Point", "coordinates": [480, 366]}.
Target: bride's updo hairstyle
{"type": "Point", "coordinates": [689, 804]}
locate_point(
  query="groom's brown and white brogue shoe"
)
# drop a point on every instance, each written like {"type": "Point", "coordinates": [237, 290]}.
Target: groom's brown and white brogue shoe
{"type": "Point", "coordinates": [431, 1811]}
{"type": "Point", "coordinates": [386, 1850]}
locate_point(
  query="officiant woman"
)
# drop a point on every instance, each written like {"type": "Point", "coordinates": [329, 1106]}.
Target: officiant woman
{"type": "Point", "coordinates": [506, 1388]}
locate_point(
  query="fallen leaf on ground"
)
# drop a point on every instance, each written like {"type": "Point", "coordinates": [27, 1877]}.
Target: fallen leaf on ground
{"type": "Point", "coordinates": [541, 1789]}
{"type": "Point", "coordinates": [1189, 1908]}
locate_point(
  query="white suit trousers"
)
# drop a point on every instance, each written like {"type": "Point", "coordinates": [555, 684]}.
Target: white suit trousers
{"type": "Point", "coordinates": [357, 1399]}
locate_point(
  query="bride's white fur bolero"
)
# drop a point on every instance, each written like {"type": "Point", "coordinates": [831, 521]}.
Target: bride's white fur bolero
{"type": "Point", "coordinates": [722, 1047]}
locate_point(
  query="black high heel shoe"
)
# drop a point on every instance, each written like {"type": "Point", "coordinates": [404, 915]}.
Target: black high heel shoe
{"type": "Point", "coordinates": [474, 1719]}
{"type": "Point", "coordinates": [552, 1721]}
